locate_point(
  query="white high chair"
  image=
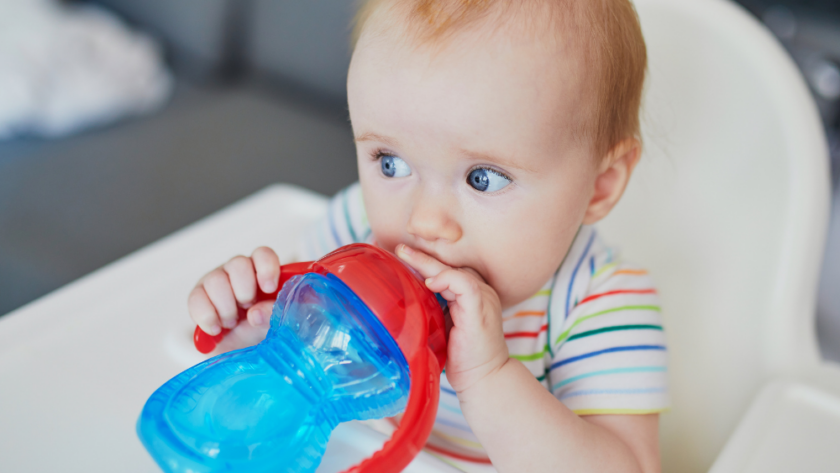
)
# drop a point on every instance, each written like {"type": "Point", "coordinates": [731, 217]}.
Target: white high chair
{"type": "Point", "coordinates": [729, 210]}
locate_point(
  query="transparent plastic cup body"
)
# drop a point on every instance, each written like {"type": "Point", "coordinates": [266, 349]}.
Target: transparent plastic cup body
{"type": "Point", "coordinates": [271, 407]}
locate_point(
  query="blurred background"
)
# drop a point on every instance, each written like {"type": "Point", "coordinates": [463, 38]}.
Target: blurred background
{"type": "Point", "coordinates": [122, 121]}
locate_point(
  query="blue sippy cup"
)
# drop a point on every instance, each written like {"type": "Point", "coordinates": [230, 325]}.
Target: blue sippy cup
{"type": "Point", "coordinates": [327, 359]}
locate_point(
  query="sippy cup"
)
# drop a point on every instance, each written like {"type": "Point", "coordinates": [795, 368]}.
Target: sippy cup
{"type": "Point", "coordinates": [354, 335]}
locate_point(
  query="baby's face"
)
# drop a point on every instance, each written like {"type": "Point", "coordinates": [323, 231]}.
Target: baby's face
{"type": "Point", "coordinates": [468, 154]}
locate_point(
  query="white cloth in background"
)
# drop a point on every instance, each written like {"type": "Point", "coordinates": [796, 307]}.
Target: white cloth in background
{"type": "Point", "coordinates": [63, 69]}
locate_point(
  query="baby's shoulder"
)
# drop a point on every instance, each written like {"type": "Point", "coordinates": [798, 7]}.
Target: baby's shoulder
{"type": "Point", "coordinates": [344, 222]}
{"type": "Point", "coordinates": [595, 278]}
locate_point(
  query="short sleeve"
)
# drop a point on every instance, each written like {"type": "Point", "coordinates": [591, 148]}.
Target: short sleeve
{"type": "Point", "coordinates": [345, 223]}
{"type": "Point", "coordinates": [608, 351]}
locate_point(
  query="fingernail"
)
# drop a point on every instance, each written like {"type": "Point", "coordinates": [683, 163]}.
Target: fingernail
{"type": "Point", "coordinates": [405, 249]}
{"type": "Point", "coordinates": [429, 281]}
{"type": "Point", "coordinates": [268, 285]}
{"type": "Point", "coordinates": [214, 330]}
{"type": "Point", "coordinates": [258, 316]}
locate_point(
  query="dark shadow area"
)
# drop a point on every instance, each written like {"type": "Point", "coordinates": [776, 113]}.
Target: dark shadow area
{"type": "Point", "coordinates": [251, 107]}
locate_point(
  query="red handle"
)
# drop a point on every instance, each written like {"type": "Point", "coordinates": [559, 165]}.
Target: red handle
{"type": "Point", "coordinates": [205, 343]}
{"type": "Point", "coordinates": [417, 421]}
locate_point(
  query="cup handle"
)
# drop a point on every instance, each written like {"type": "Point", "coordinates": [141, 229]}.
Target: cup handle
{"type": "Point", "coordinates": [205, 343]}
{"type": "Point", "coordinates": [416, 423]}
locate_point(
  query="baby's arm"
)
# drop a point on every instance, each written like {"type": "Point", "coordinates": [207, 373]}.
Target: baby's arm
{"type": "Point", "coordinates": [538, 433]}
{"type": "Point", "coordinates": [521, 425]}
{"type": "Point", "coordinates": [214, 301]}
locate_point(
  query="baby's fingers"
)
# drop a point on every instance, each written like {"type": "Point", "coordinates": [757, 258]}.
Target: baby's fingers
{"type": "Point", "coordinates": [203, 312]}
{"type": "Point", "coordinates": [459, 287]}
{"type": "Point", "coordinates": [260, 314]}
{"type": "Point", "coordinates": [219, 291]}
{"type": "Point", "coordinates": [426, 265]}
{"type": "Point", "coordinates": [240, 271]}
{"type": "Point", "coordinates": [267, 265]}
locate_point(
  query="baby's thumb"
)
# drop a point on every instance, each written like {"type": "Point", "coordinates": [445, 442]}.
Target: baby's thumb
{"type": "Point", "coordinates": [259, 314]}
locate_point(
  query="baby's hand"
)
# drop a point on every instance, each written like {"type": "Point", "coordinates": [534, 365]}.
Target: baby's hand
{"type": "Point", "coordinates": [477, 345]}
{"type": "Point", "coordinates": [214, 300]}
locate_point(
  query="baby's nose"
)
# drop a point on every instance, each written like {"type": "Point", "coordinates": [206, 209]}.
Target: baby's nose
{"type": "Point", "coordinates": [432, 220]}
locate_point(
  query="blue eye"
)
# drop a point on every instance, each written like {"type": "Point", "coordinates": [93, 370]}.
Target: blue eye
{"type": "Point", "coordinates": [487, 180]}
{"type": "Point", "coordinates": [393, 166]}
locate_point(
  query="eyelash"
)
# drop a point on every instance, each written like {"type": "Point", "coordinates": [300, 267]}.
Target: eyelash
{"type": "Point", "coordinates": [493, 170]}
{"type": "Point", "coordinates": [378, 153]}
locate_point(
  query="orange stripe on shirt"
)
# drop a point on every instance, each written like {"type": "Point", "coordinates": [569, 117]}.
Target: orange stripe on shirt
{"type": "Point", "coordinates": [634, 272]}
{"type": "Point", "coordinates": [527, 334]}
{"type": "Point", "coordinates": [525, 313]}
{"type": "Point", "coordinates": [617, 291]}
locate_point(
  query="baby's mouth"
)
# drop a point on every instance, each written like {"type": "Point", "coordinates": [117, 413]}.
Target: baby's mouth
{"type": "Point", "coordinates": [448, 262]}
{"type": "Point", "coordinates": [475, 272]}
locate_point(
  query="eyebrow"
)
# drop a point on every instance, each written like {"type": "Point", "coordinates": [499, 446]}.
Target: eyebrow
{"type": "Point", "coordinates": [374, 137]}
{"type": "Point", "coordinates": [507, 163]}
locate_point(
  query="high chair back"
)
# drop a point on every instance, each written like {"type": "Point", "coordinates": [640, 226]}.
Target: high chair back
{"type": "Point", "coordinates": [728, 209]}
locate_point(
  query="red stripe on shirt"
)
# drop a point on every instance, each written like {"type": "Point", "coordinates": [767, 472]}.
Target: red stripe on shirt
{"type": "Point", "coordinates": [526, 334]}
{"type": "Point", "coordinates": [619, 291]}
{"type": "Point", "coordinates": [525, 313]}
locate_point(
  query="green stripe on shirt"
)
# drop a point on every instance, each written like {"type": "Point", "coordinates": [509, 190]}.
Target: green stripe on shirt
{"type": "Point", "coordinates": [532, 356]}
{"type": "Point", "coordinates": [613, 329]}
{"type": "Point", "coordinates": [603, 269]}
{"type": "Point", "coordinates": [562, 337]}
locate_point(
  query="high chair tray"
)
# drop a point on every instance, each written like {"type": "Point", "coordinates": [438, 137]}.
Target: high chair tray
{"type": "Point", "coordinates": [793, 425]}
{"type": "Point", "coordinates": [77, 365]}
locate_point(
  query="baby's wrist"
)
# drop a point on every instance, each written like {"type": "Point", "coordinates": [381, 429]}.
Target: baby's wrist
{"type": "Point", "coordinates": [484, 383]}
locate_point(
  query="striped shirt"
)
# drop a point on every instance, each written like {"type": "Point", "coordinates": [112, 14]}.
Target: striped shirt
{"type": "Point", "coordinates": [592, 334]}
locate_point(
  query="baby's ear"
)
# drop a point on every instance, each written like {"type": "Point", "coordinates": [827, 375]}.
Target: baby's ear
{"type": "Point", "coordinates": [613, 176]}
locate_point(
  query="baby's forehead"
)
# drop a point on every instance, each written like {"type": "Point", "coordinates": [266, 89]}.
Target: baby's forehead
{"type": "Point", "coordinates": [490, 98]}
{"type": "Point", "coordinates": [597, 44]}
{"type": "Point", "coordinates": [522, 52]}
{"type": "Point", "coordinates": [550, 32]}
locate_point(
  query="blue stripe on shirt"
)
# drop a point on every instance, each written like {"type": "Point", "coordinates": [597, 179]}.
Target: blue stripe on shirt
{"type": "Point", "coordinates": [574, 273]}
{"type": "Point", "coordinates": [608, 350]}
{"type": "Point", "coordinates": [347, 215]}
{"type": "Point", "coordinates": [632, 369]}
{"type": "Point", "coordinates": [450, 423]}
{"type": "Point", "coordinates": [450, 408]}
{"type": "Point", "coordinates": [333, 229]}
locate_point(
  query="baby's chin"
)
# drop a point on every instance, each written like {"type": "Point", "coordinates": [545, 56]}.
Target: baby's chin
{"type": "Point", "coordinates": [515, 290]}
{"type": "Point", "coordinates": [510, 300]}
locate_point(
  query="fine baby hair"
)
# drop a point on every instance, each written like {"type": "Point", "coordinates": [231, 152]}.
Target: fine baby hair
{"type": "Point", "coordinates": [355, 335]}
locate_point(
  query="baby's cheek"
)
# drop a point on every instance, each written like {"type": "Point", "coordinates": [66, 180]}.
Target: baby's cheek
{"type": "Point", "coordinates": [524, 261]}
{"type": "Point", "coordinates": [386, 231]}
{"type": "Point", "coordinates": [384, 219]}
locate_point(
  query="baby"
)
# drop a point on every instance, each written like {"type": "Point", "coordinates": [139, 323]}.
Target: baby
{"type": "Point", "coordinates": [491, 135]}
